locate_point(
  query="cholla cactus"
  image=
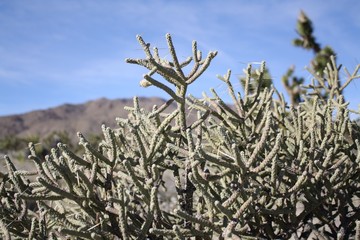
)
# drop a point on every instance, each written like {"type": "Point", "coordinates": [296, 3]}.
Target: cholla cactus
{"type": "Point", "coordinates": [319, 64]}
{"type": "Point", "coordinates": [257, 169]}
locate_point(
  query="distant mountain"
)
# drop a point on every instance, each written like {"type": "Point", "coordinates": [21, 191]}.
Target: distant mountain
{"type": "Point", "coordinates": [86, 118]}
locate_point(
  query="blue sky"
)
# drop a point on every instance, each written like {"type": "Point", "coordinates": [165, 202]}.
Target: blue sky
{"type": "Point", "coordinates": [71, 51]}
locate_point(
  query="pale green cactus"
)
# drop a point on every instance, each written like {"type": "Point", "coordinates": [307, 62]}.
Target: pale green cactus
{"type": "Point", "coordinates": [257, 169]}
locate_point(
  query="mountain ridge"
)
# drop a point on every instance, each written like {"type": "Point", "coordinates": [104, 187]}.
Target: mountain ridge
{"type": "Point", "coordinates": [72, 118]}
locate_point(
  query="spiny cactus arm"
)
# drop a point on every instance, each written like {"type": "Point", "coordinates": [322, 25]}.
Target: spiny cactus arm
{"type": "Point", "coordinates": [294, 89]}
{"type": "Point", "coordinates": [232, 224]}
{"type": "Point", "coordinates": [357, 229]}
{"type": "Point", "coordinates": [160, 151]}
{"type": "Point", "coordinates": [63, 171]}
{"type": "Point", "coordinates": [200, 120]}
{"type": "Point", "coordinates": [141, 188]}
{"type": "Point", "coordinates": [59, 191]}
{"type": "Point", "coordinates": [146, 47]}
{"type": "Point", "coordinates": [162, 86]}
{"type": "Point", "coordinates": [162, 232]}
{"type": "Point", "coordinates": [216, 159]}
{"type": "Point", "coordinates": [357, 143]}
{"type": "Point", "coordinates": [300, 181]}
{"type": "Point", "coordinates": [329, 109]}
{"type": "Point", "coordinates": [199, 125]}
{"type": "Point", "coordinates": [111, 141]}
{"type": "Point", "coordinates": [60, 218]}
{"type": "Point", "coordinates": [86, 183]}
{"type": "Point", "coordinates": [122, 214]}
{"type": "Point", "coordinates": [203, 222]}
{"type": "Point", "coordinates": [150, 215]}
{"type": "Point", "coordinates": [226, 139]}
{"type": "Point", "coordinates": [191, 146]}
{"type": "Point", "coordinates": [335, 176]}
{"type": "Point", "coordinates": [39, 190]}
{"type": "Point", "coordinates": [126, 229]}
{"type": "Point", "coordinates": [226, 108]}
{"type": "Point", "coordinates": [344, 124]}
{"type": "Point", "coordinates": [269, 156]}
{"type": "Point", "coordinates": [300, 125]}
{"type": "Point", "coordinates": [342, 111]}
{"type": "Point", "coordinates": [147, 127]}
{"type": "Point", "coordinates": [93, 172]}
{"type": "Point", "coordinates": [324, 164]}
{"type": "Point", "coordinates": [320, 79]}
{"type": "Point", "coordinates": [179, 151]}
{"type": "Point", "coordinates": [178, 233]}
{"type": "Point", "coordinates": [196, 57]}
{"type": "Point", "coordinates": [247, 72]}
{"type": "Point", "coordinates": [135, 110]}
{"type": "Point", "coordinates": [183, 231]}
{"type": "Point", "coordinates": [16, 179]}
{"type": "Point", "coordinates": [70, 155]}
{"type": "Point", "coordinates": [162, 67]}
{"type": "Point", "coordinates": [155, 114]}
{"type": "Point", "coordinates": [329, 81]}
{"type": "Point", "coordinates": [189, 186]}
{"type": "Point", "coordinates": [260, 145]}
{"type": "Point", "coordinates": [78, 234]}
{"type": "Point", "coordinates": [165, 69]}
{"type": "Point", "coordinates": [260, 79]}
{"type": "Point", "coordinates": [256, 105]}
{"type": "Point", "coordinates": [225, 211]}
{"type": "Point", "coordinates": [125, 143]}
{"type": "Point", "coordinates": [156, 54]}
{"type": "Point", "coordinates": [204, 66]}
{"type": "Point", "coordinates": [165, 124]}
{"type": "Point", "coordinates": [332, 72]}
{"type": "Point", "coordinates": [350, 77]}
{"type": "Point", "coordinates": [178, 188]}
{"type": "Point", "coordinates": [48, 169]}
{"type": "Point", "coordinates": [175, 77]}
{"type": "Point", "coordinates": [239, 159]}
{"type": "Point", "coordinates": [186, 62]}
{"type": "Point", "coordinates": [281, 102]}
{"type": "Point", "coordinates": [196, 104]}
{"type": "Point", "coordinates": [40, 169]}
{"type": "Point", "coordinates": [232, 199]}
{"type": "Point", "coordinates": [32, 229]}
{"type": "Point", "coordinates": [10, 165]}
{"type": "Point", "coordinates": [227, 121]}
{"type": "Point", "coordinates": [205, 181]}
{"type": "Point", "coordinates": [238, 104]}
{"type": "Point", "coordinates": [288, 124]}
{"type": "Point", "coordinates": [161, 108]}
{"type": "Point", "coordinates": [42, 224]}
{"type": "Point", "coordinates": [294, 117]}
{"type": "Point", "coordinates": [143, 149]}
{"type": "Point", "coordinates": [210, 200]}
{"type": "Point", "coordinates": [260, 117]}
{"type": "Point", "coordinates": [174, 57]}
{"type": "Point", "coordinates": [40, 197]}
{"type": "Point", "coordinates": [4, 230]}
{"type": "Point", "coordinates": [22, 206]}
{"type": "Point", "coordinates": [93, 151]}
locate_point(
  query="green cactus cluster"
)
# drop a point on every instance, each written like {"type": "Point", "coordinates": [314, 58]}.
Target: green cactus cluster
{"type": "Point", "coordinates": [319, 64]}
{"type": "Point", "coordinates": [256, 169]}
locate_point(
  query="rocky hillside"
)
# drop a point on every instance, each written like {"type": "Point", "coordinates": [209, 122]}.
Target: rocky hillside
{"type": "Point", "coordinates": [86, 118]}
